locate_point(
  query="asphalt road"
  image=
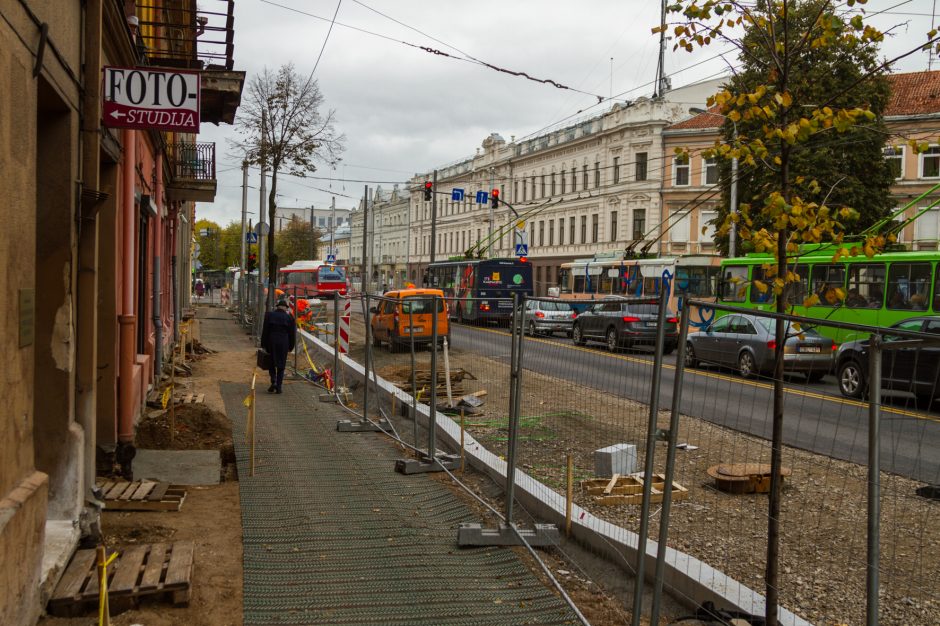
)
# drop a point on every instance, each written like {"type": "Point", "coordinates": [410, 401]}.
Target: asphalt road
{"type": "Point", "coordinates": [816, 416]}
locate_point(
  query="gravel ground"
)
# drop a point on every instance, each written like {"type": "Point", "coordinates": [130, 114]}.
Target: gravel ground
{"type": "Point", "coordinates": [823, 521]}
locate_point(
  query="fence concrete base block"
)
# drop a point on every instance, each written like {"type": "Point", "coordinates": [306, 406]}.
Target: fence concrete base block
{"type": "Point", "coordinates": [470, 534]}
{"type": "Point", "coordinates": [422, 466]}
{"type": "Point", "coordinates": [362, 426]}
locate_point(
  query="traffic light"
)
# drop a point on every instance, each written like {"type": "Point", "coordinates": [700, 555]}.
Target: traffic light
{"type": "Point", "coordinates": [494, 198]}
{"type": "Point", "coordinates": [252, 263]}
{"type": "Point", "coordinates": [428, 186]}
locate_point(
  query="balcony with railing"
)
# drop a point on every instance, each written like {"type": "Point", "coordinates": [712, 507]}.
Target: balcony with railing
{"type": "Point", "coordinates": [182, 35]}
{"type": "Point", "coordinates": [192, 171]}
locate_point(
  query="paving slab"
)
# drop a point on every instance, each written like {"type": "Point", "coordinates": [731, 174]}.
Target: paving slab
{"type": "Point", "coordinates": [178, 467]}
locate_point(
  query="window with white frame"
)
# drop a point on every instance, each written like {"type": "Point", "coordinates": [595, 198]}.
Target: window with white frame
{"type": "Point", "coordinates": [680, 166]}
{"type": "Point", "coordinates": [706, 221]}
{"type": "Point", "coordinates": [897, 228]}
{"type": "Point", "coordinates": [894, 157]}
{"type": "Point", "coordinates": [710, 171]}
{"type": "Point", "coordinates": [927, 226]}
{"type": "Point", "coordinates": [679, 226]}
{"type": "Point", "coordinates": [930, 163]}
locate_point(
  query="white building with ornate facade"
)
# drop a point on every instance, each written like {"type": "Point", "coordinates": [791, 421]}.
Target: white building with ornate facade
{"type": "Point", "coordinates": [589, 186]}
{"type": "Point", "coordinates": [387, 238]}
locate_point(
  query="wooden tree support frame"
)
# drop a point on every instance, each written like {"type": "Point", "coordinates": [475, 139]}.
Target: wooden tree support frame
{"type": "Point", "coordinates": [629, 489]}
{"type": "Point", "coordinates": [145, 570]}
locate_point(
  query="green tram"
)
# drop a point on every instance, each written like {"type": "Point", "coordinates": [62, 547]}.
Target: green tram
{"type": "Point", "coordinates": [878, 291]}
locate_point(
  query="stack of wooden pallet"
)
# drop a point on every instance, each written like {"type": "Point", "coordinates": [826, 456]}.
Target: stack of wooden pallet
{"type": "Point", "coordinates": [144, 570]}
{"type": "Point", "coordinates": [141, 495]}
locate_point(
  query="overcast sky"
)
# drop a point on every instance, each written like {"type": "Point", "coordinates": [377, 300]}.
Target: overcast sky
{"type": "Point", "coordinates": [404, 110]}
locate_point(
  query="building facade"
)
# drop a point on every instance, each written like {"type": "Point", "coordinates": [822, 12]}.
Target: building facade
{"type": "Point", "coordinates": [321, 217]}
{"type": "Point", "coordinates": [691, 192]}
{"type": "Point", "coordinates": [98, 244]}
{"type": "Point", "coordinates": [591, 185]}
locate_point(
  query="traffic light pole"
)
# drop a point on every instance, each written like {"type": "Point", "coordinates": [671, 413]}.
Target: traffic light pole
{"type": "Point", "coordinates": [365, 241]}
{"type": "Point", "coordinates": [434, 217]}
{"type": "Point", "coordinates": [493, 204]}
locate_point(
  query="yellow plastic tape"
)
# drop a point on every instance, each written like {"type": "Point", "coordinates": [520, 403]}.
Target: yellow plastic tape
{"type": "Point", "coordinates": [165, 398]}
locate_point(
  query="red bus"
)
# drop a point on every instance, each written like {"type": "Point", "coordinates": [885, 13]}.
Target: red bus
{"type": "Point", "coordinates": [312, 279]}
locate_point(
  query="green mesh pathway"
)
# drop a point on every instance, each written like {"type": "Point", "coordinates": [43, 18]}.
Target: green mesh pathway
{"type": "Point", "coordinates": [333, 535]}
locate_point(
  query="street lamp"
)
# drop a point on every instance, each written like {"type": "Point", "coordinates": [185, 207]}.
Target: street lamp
{"type": "Point", "coordinates": [733, 200]}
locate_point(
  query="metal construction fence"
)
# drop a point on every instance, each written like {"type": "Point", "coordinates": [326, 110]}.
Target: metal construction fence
{"type": "Point", "coordinates": [664, 431]}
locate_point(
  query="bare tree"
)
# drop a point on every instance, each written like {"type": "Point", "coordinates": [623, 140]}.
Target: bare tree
{"type": "Point", "coordinates": [282, 127]}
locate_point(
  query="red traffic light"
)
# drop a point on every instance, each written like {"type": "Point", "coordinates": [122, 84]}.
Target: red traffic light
{"type": "Point", "coordinates": [427, 185]}
{"type": "Point", "coordinates": [495, 193]}
{"type": "Point", "coordinates": [523, 259]}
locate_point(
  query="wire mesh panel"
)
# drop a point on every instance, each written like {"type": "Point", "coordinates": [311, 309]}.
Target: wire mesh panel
{"type": "Point", "coordinates": [826, 520]}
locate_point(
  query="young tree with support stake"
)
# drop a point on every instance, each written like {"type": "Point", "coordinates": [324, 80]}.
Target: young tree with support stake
{"type": "Point", "coordinates": [783, 122]}
{"type": "Point", "coordinates": [283, 128]}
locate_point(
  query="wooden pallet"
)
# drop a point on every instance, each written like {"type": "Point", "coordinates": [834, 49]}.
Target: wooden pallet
{"type": "Point", "coordinates": [139, 571]}
{"type": "Point", "coordinates": [629, 489]}
{"type": "Point", "coordinates": [141, 495]}
{"type": "Point", "coordinates": [189, 398]}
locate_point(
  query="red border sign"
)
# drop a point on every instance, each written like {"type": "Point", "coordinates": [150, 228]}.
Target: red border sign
{"type": "Point", "coordinates": [145, 97]}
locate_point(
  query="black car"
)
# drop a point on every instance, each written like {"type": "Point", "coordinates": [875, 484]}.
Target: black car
{"type": "Point", "coordinates": [915, 370]}
{"type": "Point", "coordinates": [618, 323]}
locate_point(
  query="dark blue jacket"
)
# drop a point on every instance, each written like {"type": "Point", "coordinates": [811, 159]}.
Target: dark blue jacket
{"type": "Point", "coordinates": [278, 335]}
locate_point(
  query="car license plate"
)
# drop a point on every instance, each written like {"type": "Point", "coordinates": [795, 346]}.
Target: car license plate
{"type": "Point", "coordinates": [414, 329]}
{"type": "Point", "coordinates": [810, 349]}
{"type": "Point", "coordinates": [651, 324]}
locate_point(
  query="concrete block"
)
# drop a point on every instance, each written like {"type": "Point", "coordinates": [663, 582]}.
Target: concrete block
{"type": "Point", "coordinates": [179, 467]}
{"type": "Point", "coordinates": [619, 458]}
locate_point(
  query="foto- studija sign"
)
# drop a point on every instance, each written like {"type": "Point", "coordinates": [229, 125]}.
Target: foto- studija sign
{"type": "Point", "coordinates": [142, 98]}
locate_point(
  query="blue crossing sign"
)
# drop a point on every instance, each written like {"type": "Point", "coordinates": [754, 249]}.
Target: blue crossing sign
{"type": "Point", "coordinates": [456, 195]}
{"type": "Point", "coordinates": [522, 249]}
{"type": "Point", "coordinates": [331, 259]}
{"type": "Point", "coordinates": [251, 237]}
{"type": "Point", "coordinates": [483, 197]}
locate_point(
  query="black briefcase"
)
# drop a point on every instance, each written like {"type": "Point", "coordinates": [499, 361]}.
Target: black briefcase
{"type": "Point", "coordinates": [263, 359]}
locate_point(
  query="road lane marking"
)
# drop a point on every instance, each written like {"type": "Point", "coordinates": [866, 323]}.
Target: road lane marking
{"type": "Point", "coordinates": [716, 376]}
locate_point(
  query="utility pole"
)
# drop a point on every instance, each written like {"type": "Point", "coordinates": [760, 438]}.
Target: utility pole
{"type": "Point", "coordinates": [365, 238]}
{"type": "Point", "coordinates": [242, 283]}
{"type": "Point", "coordinates": [333, 227]}
{"type": "Point", "coordinates": [434, 217]}
{"type": "Point", "coordinates": [262, 235]}
{"type": "Point", "coordinates": [661, 64]}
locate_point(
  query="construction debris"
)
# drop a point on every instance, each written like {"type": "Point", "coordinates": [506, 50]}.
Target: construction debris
{"type": "Point", "coordinates": [629, 489]}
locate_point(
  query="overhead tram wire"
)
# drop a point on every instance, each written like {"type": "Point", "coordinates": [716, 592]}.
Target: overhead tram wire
{"type": "Point", "coordinates": [466, 59]}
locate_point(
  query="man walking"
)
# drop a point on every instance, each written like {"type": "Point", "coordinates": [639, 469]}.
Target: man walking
{"type": "Point", "coordinates": [278, 335]}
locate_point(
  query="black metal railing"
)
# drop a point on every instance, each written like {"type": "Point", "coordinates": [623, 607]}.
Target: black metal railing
{"type": "Point", "coordinates": [177, 33]}
{"type": "Point", "coordinates": [193, 161]}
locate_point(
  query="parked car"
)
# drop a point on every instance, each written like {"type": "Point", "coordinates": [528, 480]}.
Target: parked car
{"type": "Point", "coordinates": [548, 317]}
{"type": "Point", "coordinates": [914, 370]}
{"type": "Point", "coordinates": [748, 342]}
{"type": "Point", "coordinates": [405, 312]}
{"type": "Point", "coordinates": [618, 323]}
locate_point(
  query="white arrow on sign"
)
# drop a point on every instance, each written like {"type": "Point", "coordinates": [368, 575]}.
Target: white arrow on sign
{"type": "Point", "coordinates": [118, 114]}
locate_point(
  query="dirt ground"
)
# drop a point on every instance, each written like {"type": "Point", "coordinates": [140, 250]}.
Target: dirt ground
{"type": "Point", "coordinates": [822, 562]}
{"type": "Point", "coordinates": [210, 516]}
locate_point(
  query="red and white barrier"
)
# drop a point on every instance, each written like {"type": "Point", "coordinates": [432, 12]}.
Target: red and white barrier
{"type": "Point", "coordinates": [344, 327]}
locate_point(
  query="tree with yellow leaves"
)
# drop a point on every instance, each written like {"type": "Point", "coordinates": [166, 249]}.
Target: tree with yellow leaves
{"type": "Point", "coordinates": [782, 124]}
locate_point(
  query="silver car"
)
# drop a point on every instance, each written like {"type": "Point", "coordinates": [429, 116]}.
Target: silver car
{"type": "Point", "coordinates": [548, 317]}
{"type": "Point", "coordinates": [747, 343]}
